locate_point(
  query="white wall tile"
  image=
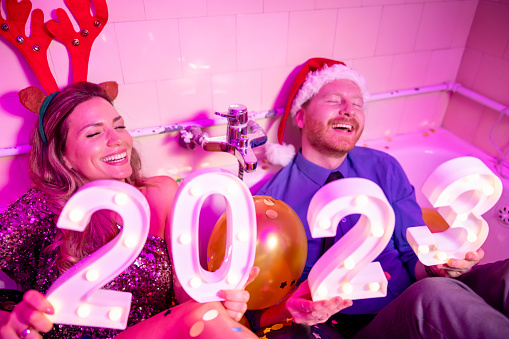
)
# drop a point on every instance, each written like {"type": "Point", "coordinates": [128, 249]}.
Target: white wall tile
{"type": "Point", "coordinates": [361, 41]}
{"type": "Point", "coordinates": [262, 40]}
{"type": "Point", "coordinates": [17, 122]}
{"type": "Point", "coordinates": [104, 62]}
{"type": "Point", "coordinates": [287, 5]}
{"type": "Point", "coordinates": [15, 72]}
{"type": "Point", "coordinates": [227, 7]}
{"type": "Point", "coordinates": [376, 70]}
{"type": "Point", "coordinates": [137, 104]}
{"type": "Point", "coordinates": [164, 9]}
{"type": "Point", "coordinates": [438, 25]}
{"type": "Point", "coordinates": [444, 65]}
{"type": "Point", "coordinates": [409, 70]}
{"type": "Point", "coordinates": [149, 50]}
{"type": "Point", "coordinates": [121, 10]}
{"type": "Point", "coordinates": [466, 16]}
{"type": "Point", "coordinates": [208, 45]}
{"type": "Point", "coordinates": [398, 29]}
{"type": "Point", "coordinates": [237, 88]}
{"type": "Point", "coordinates": [186, 99]}
{"type": "Point", "coordinates": [276, 85]}
{"type": "Point", "coordinates": [314, 39]}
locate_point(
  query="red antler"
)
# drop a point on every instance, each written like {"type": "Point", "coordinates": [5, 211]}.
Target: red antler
{"type": "Point", "coordinates": [33, 48]}
{"type": "Point", "coordinates": [80, 43]}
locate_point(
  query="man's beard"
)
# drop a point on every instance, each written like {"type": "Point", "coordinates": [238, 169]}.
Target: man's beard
{"type": "Point", "coordinates": [323, 139]}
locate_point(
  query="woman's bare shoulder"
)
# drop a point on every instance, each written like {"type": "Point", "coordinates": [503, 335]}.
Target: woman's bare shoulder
{"type": "Point", "coordinates": [161, 182]}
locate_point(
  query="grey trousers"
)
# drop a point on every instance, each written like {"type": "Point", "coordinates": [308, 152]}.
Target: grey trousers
{"type": "Point", "coordinates": [476, 305]}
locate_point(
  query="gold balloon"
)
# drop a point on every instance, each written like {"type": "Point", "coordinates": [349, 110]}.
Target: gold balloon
{"type": "Point", "coordinates": [281, 251]}
{"type": "Point", "coordinates": [434, 221]}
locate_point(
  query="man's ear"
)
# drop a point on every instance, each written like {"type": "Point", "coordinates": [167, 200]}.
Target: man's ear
{"type": "Point", "coordinates": [299, 118]}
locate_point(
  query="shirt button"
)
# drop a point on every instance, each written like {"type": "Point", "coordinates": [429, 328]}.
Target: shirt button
{"type": "Point", "coordinates": [343, 220]}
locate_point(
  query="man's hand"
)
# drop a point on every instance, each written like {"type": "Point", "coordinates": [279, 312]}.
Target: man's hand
{"type": "Point", "coordinates": [304, 310]}
{"type": "Point", "coordinates": [456, 267]}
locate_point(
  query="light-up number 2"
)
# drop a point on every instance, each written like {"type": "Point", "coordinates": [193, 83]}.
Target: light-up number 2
{"type": "Point", "coordinates": [346, 269]}
{"type": "Point", "coordinates": [76, 295]}
{"type": "Point", "coordinates": [199, 284]}
{"type": "Point", "coordinates": [463, 189]}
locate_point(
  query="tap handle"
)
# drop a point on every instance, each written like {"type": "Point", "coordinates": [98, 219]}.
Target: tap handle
{"type": "Point", "coordinates": [236, 115]}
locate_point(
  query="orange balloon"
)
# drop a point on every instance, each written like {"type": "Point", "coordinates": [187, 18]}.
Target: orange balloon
{"type": "Point", "coordinates": [434, 221]}
{"type": "Point", "coordinates": [281, 251]}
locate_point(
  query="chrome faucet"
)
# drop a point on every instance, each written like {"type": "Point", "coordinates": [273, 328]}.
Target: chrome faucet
{"type": "Point", "coordinates": [242, 135]}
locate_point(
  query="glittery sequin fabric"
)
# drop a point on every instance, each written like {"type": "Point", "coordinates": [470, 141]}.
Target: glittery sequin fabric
{"type": "Point", "coordinates": [27, 227]}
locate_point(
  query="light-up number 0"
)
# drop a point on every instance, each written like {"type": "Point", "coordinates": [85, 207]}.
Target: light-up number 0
{"type": "Point", "coordinates": [76, 295]}
{"type": "Point", "coordinates": [199, 284]}
{"type": "Point", "coordinates": [346, 269]}
{"type": "Point", "coordinates": [462, 189]}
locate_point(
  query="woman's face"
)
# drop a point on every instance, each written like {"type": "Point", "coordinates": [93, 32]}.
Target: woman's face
{"type": "Point", "coordinates": [98, 145]}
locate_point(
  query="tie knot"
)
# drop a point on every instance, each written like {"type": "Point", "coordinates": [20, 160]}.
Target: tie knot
{"type": "Point", "coordinates": [334, 176]}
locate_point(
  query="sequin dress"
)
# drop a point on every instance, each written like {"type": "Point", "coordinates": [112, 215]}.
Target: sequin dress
{"type": "Point", "coordinates": [27, 227]}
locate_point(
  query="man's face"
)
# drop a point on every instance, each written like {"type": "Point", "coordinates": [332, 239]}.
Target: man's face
{"type": "Point", "coordinates": [333, 120]}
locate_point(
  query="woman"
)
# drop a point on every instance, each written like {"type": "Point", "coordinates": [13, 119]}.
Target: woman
{"type": "Point", "coordinates": [82, 138]}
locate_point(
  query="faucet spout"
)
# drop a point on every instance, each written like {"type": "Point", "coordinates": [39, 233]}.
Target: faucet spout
{"type": "Point", "coordinates": [242, 135]}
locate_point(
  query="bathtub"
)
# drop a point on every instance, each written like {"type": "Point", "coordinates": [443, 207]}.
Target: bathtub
{"type": "Point", "coordinates": [419, 154]}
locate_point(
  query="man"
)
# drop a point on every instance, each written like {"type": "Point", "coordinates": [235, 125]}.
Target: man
{"type": "Point", "coordinates": [327, 103]}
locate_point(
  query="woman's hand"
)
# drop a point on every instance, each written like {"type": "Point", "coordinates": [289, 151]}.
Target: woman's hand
{"type": "Point", "coordinates": [235, 301]}
{"type": "Point", "coordinates": [304, 310]}
{"type": "Point", "coordinates": [28, 318]}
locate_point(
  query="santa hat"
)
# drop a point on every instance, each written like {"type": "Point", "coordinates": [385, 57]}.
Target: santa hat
{"type": "Point", "coordinates": [314, 74]}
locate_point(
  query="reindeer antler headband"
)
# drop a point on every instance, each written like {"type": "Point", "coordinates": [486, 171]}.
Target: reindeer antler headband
{"type": "Point", "coordinates": [35, 47]}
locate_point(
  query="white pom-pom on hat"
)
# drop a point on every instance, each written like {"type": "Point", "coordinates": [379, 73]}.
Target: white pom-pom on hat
{"type": "Point", "coordinates": [279, 154]}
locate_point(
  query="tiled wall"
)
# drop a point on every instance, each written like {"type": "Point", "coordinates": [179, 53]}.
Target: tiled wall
{"type": "Point", "coordinates": [485, 70]}
{"type": "Point", "coordinates": [179, 61]}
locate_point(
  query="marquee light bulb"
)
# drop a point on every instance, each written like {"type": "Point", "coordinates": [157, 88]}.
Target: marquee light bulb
{"type": "Point", "coordinates": [121, 199]}
{"type": "Point", "coordinates": [488, 190]}
{"type": "Point", "coordinates": [324, 223]}
{"type": "Point", "coordinates": [83, 311]}
{"type": "Point", "coordinates": [92, 275]}
{"type": "Point", "coordinates": [130, 241]}
{"type": "Point", "coordinates": [185, 239]}
{"type": "Point", "coordinates": [423, 249]}
{"type": "Point", "coordinates": [361, 200]}
{"type": "Point", "coordinates": [374, 286]}
{"type": "Point", "coordinates": [115, 314]}
{"type": "Point", "coordinates": [243, 236]}
{"type": "Point", "coordinates": [377, 232]}
{"type": "Point", "coordinates": [347, 288]}
{"type": "Point", "coordinates": [441, 256]}
{"type": "Point", "coordinates": [76, 215]}
{"type": "Point", "coordinates": [349, 263]}
{"type": "Point", "coordinates": [232, 279]}
{"type": "Point", "coordinates": [195, 282]}
{"type": "Point", "coordinates": [196, 191]}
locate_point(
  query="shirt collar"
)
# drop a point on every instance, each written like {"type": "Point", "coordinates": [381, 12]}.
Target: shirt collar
{"type": "Point", "coordinates": [316, 173]}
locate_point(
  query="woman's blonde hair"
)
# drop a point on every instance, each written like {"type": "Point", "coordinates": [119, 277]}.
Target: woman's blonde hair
{"type": "Point", "coordinates": [51, 176]}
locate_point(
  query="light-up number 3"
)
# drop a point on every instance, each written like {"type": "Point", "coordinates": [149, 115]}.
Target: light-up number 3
{"type": "Point", "coordinates": [76, 295]}
{"type": "Point", "coordinates": [199, 284]}
{"type": "Point", "coordinates": [346, 269]}
{"type": "Point", "coordinates": [462, 189]}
